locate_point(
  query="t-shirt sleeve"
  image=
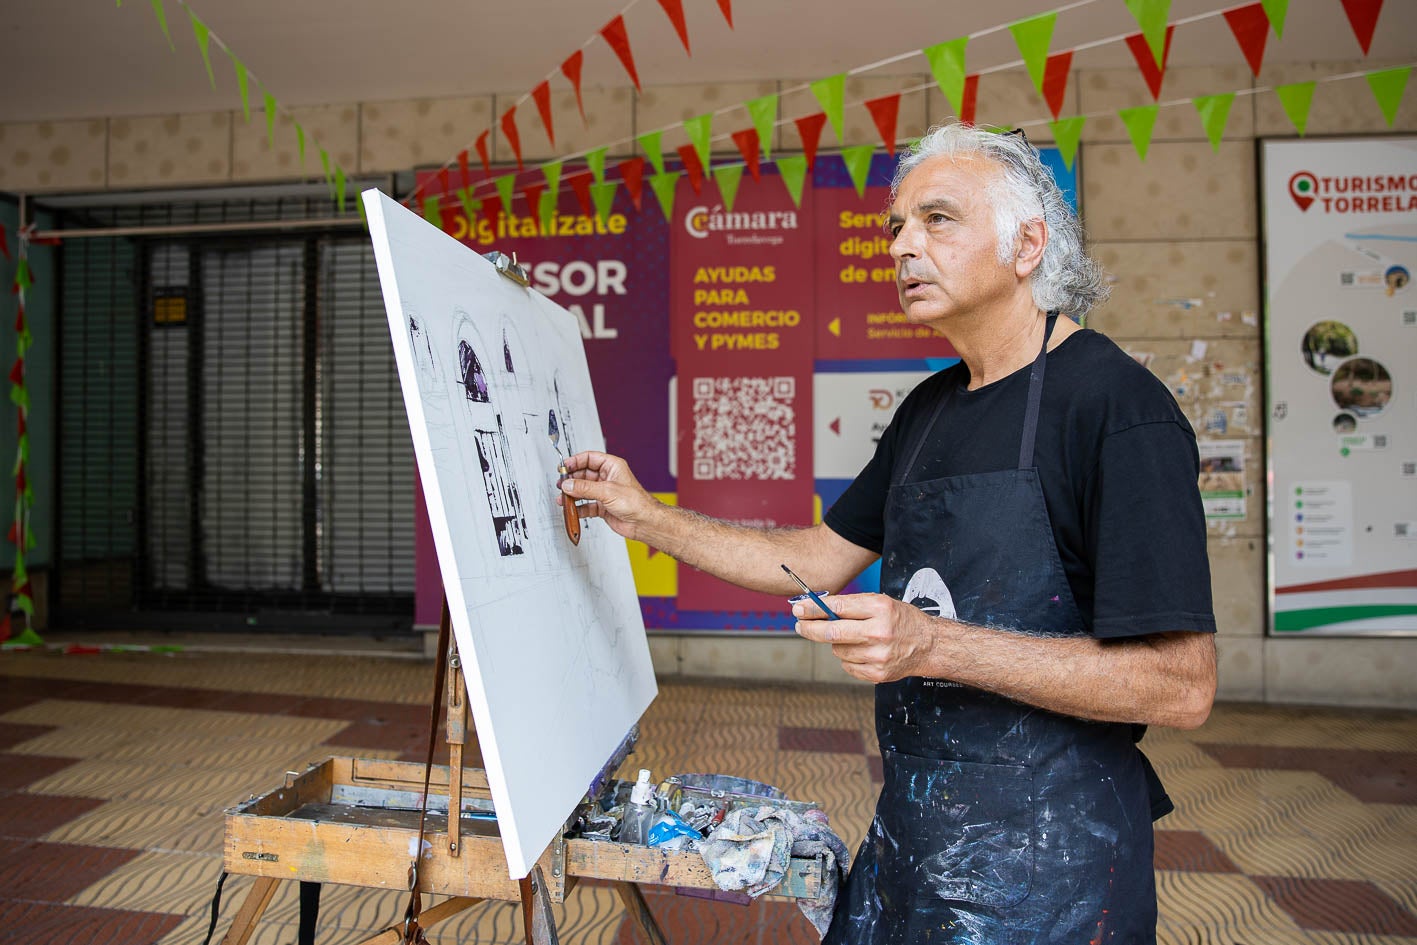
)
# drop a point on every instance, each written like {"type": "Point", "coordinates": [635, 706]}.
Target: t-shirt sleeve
{"type": "Point", "coordinates": [1146, 530]}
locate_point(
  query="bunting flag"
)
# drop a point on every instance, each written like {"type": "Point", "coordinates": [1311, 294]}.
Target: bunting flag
{"type": "Point", "coordinates": [763, 111]}
{"type": "Point", "coordinates": [726, 8]}
{"type": "Point", "coordinates": [580, 184]}
{"type": "Point", "coordinates": [571, 69]}
{"type": "Point", "coordinates": [532, 194]}
{"type": "Point", "coordinates": [482, 151]}
{"type": "Point", "coordinates": [203, 35]}
{"type": "Point", "coordinates": [1150, 71]}
{"type": "Point", "coordinates": [674, 9]}
{"type": "Point", "coordinates": [242, 83]}
{"type": "Point", "coordinates": [700, 132]}
{"type": "Point", "coordinates": [603, 196]}
{"type": "Point", "coordinates": [270, 105]}
{"type": "Point", "coordinates": [4, 244]}
{"type": "Point", "coordinates": [1151, 17]}
{"type": "Point", "coordinates": [692, 167]}
{"type": "Point", "coordinates": [431, 212]}
{"type": "Point", "coordinates": [509, 131]}
{"type": "Point", "coordinates": [462, 166]}
{"type": "Point", "coordinates": [1296, 99]}
{"type": "Point", "coordinates": [1214, 111]}
{"type": "Point", "coordinates": [1140, 122]}
{"type": "Point", "coordinates": [1363, 17]}
{"type": "Point", "coordinates": [1033, 36]}
{"type": "Point", "coordinates": [858, 164]}
{"type": "Point", "coordinates": [884, 111]}
{"type": "Point", "coordinates": [947, 65]}
{"type": "Point", "coordinates": [1055, 81]}
{"type": "Point", "coordinates": [830, 92]}
{"type": "Point", "coordinates": [552, 173]}
{"type": "Point", "coordinates": [650, 141]}
{"type": "Point", "coordinates": [727, 178]}
{"type": "Point", "coordinates": [809, 127]}
{"type": "Point", "coordinates": [595, 160]}
{"type": "Point", "coordinates": [971, 99]}
{"type": "Point", "coordinates": [794, 174]}
{"type": "Point", "coordinates": [21, 532]}
{"type": "Point", "coordinates": [1388, 86]}
{"type": "Point", "coordinates": [632, 172]}
{"type": "Point", "coordinates": [470, 205]}
{"type": "Point", "coordinates": [1275, 11]}
{"type": "Point", "coordinates": [161, 15]}
{"type": "Point", "coordinates": [1066, 134]}
{"type": "Point", "coordinates": [505, 185]}
{"type": "Point", "coordinates": [747, 141]}
{"type": "Point", "coordinates": [663, 185]}
{"type": "Point", "coordinates": [1250, 26]}
{"type": "Point", "coordinates": [618, 40]}
{"type": "Point", "coordinates": [542, 96]}
{"type": "Point", "coordinates": [341, 188]}
{"type": "Point", "coordinates": [300, 141]}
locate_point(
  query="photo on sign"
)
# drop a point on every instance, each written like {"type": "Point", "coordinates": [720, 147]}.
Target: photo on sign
{"type": "Point", "coordinates": [1362, 387]}
{"type": "Point", "coordinates": [1326, 343]}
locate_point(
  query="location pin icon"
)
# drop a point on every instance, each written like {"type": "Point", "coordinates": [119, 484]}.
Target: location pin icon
{"type": "Point", "coordinates": [1302, 187]}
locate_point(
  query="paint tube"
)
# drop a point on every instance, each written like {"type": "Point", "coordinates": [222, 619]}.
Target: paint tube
{"type": "Point", "coordinates": [671, 833]}
{"type": "Point", "coordinates": [640, 813]}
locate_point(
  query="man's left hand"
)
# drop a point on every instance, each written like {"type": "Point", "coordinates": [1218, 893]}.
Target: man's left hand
{"type": "Point", "coordinates": [878, 638]}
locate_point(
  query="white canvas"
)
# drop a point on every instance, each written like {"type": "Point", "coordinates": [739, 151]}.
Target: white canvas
{"type": "Point", "coordinates": [551, 637]}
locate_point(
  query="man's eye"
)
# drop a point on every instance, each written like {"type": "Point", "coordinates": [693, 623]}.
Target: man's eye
{"type": "Point", "coordinates": [936, 218]}
{"type": "Point", "coordinates": [893, 230]}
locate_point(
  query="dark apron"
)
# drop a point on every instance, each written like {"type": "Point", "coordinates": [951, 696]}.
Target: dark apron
{"type": "Point", "coordinates": [998, 823]}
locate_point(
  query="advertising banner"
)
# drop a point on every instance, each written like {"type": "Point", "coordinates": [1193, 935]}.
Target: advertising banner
{"type": "Point", "coordinates": [1340, 219]}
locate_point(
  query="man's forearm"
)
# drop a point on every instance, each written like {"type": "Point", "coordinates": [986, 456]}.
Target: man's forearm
{"type": "Point", "coordinates": [743, 555]}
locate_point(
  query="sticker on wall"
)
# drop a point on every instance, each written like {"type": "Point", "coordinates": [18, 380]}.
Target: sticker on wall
{"type": "Point", "coordinates": [1222, 479]}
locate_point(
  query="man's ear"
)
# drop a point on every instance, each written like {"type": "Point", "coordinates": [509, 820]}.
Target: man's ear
{"type": "Point", "coordinates": [1032, 238]}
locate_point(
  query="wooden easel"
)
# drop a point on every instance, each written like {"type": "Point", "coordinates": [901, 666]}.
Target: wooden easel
{"type": "Point", "coordinates": [352, 821]}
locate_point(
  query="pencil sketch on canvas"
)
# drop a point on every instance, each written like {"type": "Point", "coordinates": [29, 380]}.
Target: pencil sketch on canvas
{"type": "Point", "coordinates": [553, 646]}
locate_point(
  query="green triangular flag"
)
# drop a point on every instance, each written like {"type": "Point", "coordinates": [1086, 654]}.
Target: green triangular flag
{"type": "Point", "coordinates": [22, 274]}
{"type": "Point", "coordinates": [270, 119]}
{"type": "Point", "coordinates": [1388, 86]}
{"type": "Point", "coordinates": [596, 161]}
{"type": "Point", "coordinates": [727, 178]}
{"type": "Point", "coordinates": [161, 15]}
{"type": "Point", "coordinates": [602, 194]}
{"type": "Point", "coordinates": [325, 163]}
{"type": "Point", "coordinates": [764, 114]}
{"type": "Point", "coordinates": [504, 185]}
{"type": "Point", "coordinates": [650, 142]}
{"type": "Point", "coordinates": [1151, 17]}
{"type": "Point", "coordinates": [552, 173]}
{"type": "Point", "coordinates": [19, 396]}
{"type": "Point", "coordinates": [700, 132]}
{"type": "Point", "coordinates": [858, 164]}
{"type": "Point", "coordinates": [23, 342]}
{"type": "Point", "coordinates": [359, 205]}
{"type": "Point", "coordinates": [204, 39]}
{"type": "Point", "coordinates": [1276, 11]}
{"type": "Point", "coordinates": [830, 93]}
{"type": "Point", "coordinates": [470, 205]}
{"type": "Point", "coordinates": [26, 637]}
{"type": "Point", "coordinates": [947, 64]}
{"type": "Point", "coordinates": [20, 574]}
{"type": "Point", "coordinates": [1140, 121]}
{"type": "Point", "coordinates": [1066, 133]}
{"type": "Point", "coordinates": [546, 211]}
{"type": "Point", "coordinates": [664, 185]}
{"type": "Point", "coordinates": [794, 174]}
{"type": "Point", "coordinates": [22, 451]}
{"type": "Point", "coordinates": [340, 189]}
{"type": "Point", "coordinates": [1033, 36]}
{"type": "Point", "coordinates": [300, 141]}
{"type": "Point", "coordinates": [25, 604]}
{"type": "Point", "coordinates": [1214, 111]}
{"type": "Point", "coordinates": [1296, 99]}
{"type": "Point", "coordinates": [431, 211]}
{"type": "Point", "coordinates": [241, 83]}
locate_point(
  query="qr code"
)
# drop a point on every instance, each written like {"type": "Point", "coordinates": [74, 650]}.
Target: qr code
{"type": "Point", "coordinates": [1402, 529]}
{"type": "Point", "coordinates": [1380, 441]}
{"type": "Point", "coordinates": [1409, 317]}
{"type": "Point", "coordinates": [1345, 278]}
{"type": "Point", "coordinates": [1409, 469]}
{"type": "Point", "coordinates": [745, 427]}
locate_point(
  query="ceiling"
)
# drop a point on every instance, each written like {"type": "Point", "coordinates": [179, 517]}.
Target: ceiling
{"type": "Point", "coordinates": [90, 58]}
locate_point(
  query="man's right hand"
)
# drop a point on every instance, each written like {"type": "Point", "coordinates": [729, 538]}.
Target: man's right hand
{"type": "Point", "coordinates": [608, 490]}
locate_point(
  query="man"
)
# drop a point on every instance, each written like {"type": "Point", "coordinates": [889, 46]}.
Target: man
{"type": "Point", "coordinates": [1046, 592]}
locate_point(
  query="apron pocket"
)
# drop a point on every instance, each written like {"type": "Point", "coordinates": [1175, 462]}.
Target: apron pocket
{"type": "Point", "coordinates": [963, 832]}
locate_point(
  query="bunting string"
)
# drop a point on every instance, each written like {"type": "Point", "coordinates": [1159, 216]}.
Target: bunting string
{"type": "Point", "coordinates": [21, 534]}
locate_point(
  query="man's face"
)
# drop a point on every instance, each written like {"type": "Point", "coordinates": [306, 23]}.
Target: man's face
{"type": "Point", "coordinates": [944, 241]}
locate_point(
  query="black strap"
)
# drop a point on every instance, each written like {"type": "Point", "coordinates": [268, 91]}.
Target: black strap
{"type": "Point", "coordinates": [309, 913]}
{"type": "Point", "coordinates": [216, 907]}
{"type": "Point", "coordinates": [1035, 398]}
{"type": "Point", "coordinates": [415, 901]}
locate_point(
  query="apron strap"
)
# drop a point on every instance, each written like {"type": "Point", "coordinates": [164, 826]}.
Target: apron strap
{"type": "Point", "coordinates": [1035, 398]}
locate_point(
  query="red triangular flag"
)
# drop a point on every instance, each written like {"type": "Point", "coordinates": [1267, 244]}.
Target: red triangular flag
{"type": "Point", "coordinates": [462, 166]}
{"type": "Point", "coordinates": [14, 535]}
{"type": "Point", "coordinates": [580, 183]}
{"type": "Point", "coordinates": [19, 315]}
{"type": "Point", "coordinates": [884, 111]}
{"type": "Point", "coordinates": [509, 131]}
{"type": "Point", "coordinates": [1150, 71]}
{"type": "Point", "coordinates": [443, 180]}
{"type": "Point", "coordinates": [482, 151]}
{"type": "Point", "coordinates": [727, 7]}
{"type": "Point", "coordinates": [1251, 28]}
{"type": "Point", "coordinates": [809, 127]}
{"type": "Point", "coordinates": [571, 69]}
{"type": "Point", "coordinates": [970, 99]}
{"type": "Point", "coordinates": [692, 166]}
{"type": "Point", "coordinates": [532, 193]}
{"type": "Point", "coordinates": [747, 141]}
{"type": "Point", "coordinates": [20, 481]}
{"type": "Point", "coordinates": [632, 172]}
{"type": "Point", "coordinates": [1363, 17]}
{"type": "Point", "coordinates": [619, 40]}
{"type": "Point", "coordinates": [1055, 80]}
{"type": "Point", "coordinates": [674, 9]}
{"type": "Point", "coordinates": [4, 246]}
{"type": "Point", "coordinates": [542, 96]}
{"type": "Point", "coordinates": [20, 423]}
{"type": "Point", "coordinates": [17, 372]}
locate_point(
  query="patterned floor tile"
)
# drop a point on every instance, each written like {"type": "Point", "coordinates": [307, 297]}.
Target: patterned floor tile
{"type": "Point", "coordinates": [17, 771]}
{"type": "Point", "coordinates": [1375, 777]}
{"type": "Point", "coordinates": [34, 815]}
{"type": "Point", "coordinates": [1339, 905]}
{"type": "Point", "coordinates": [843, 740]}
{"type": "Point", "coordinates": [12, 735]}
{"type": "Point", "coordinates": [54, 872]}
{"type": "Point", "coordinates": [47, 923]}
{"type": "Point", "coordinates": [1190, 850]}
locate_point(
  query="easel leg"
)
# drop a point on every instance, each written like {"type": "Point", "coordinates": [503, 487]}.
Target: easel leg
{"type": "Point", "coordinates": [430, 917]}
{"type": "Point", "coordinates": [537, 919]}
{"type": "Point", "coordinates": [639, 912]}
{"type": "Point", "coordinates": [256, 901]}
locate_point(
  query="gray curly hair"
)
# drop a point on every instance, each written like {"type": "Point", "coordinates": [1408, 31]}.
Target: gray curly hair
{"type": "Point", "coordinates": [1067, 280]}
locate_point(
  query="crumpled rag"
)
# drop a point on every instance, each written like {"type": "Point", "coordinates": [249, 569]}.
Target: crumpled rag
{"type": "Point", "coordinates": [750, 851]}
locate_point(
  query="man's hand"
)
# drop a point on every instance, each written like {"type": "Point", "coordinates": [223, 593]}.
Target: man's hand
{"type": "Point", "coordinates": [614, 493]}
{"type": "Point", "coordinates": [878, 638]}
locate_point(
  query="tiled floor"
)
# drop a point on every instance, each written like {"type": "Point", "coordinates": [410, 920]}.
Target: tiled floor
{"type": "Point", "coordinates": [1292, 825]}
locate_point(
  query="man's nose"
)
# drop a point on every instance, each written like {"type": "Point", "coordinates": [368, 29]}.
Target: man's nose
{"type": "Point", "coordinates": [904, 244]}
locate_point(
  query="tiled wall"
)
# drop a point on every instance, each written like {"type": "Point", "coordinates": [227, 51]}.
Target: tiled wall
{"type": "Point", "coordinates": [1181, 225]}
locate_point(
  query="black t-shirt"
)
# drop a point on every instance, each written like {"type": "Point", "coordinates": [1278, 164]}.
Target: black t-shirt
{"type": "Point", "coordinates": [1118, 465]}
